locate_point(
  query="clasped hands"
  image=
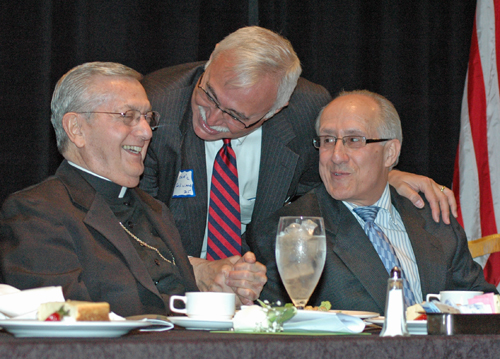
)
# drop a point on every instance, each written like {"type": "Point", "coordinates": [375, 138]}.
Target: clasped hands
{"type": "Point", "coordinates": [241, 275]}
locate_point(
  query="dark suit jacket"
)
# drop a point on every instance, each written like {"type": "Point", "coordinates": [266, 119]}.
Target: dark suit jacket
{"type": "Point", "coordinates": [289, 162]}
{"type": "Point", "coordinates": [61, 232]}
{"type": "Point", "coordinates": [354, 277]}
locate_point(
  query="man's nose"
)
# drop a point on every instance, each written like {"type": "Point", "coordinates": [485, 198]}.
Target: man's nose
{"type": "Point", "coordinates": [215, 117]}
{"type": "Point", "coordinates": [339, 153]}
{"type": "Point", "coordinates": [144, 129]}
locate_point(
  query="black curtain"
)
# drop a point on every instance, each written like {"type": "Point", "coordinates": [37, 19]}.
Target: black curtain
{"type": "Point", "coordinates": [414, 53]}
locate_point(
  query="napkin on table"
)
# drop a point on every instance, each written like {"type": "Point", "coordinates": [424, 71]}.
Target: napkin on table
{"type": "Point", "coordinates": [23, 304]}
{"type": "Point", "coordinates": [339, 323]}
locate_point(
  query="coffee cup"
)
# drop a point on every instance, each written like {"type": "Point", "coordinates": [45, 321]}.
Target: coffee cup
{"type": "Point", "coordinates": [205, 305]}
{"type": "Point", "coordinates": [454, 297]}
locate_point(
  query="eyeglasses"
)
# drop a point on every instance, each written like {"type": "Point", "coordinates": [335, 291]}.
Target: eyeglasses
{"type": "Point", "coordinates": [351, 142]}
{"type": "Point", "coordinates": [133, 117]}
{"type": "Point", "coordinates": [239, 122]}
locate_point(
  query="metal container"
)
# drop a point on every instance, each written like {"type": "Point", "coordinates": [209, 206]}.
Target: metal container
{"type": "Point", "coordinates": [450, 324]}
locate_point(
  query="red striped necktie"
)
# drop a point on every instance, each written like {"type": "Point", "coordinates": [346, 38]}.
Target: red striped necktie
{"type": "Point", "coordinates": [224, 220]}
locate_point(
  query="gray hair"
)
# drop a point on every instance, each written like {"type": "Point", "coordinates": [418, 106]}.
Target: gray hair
{"type": "Point", "coordinates": [258, 52]}
{"type": "Point", "coordinates": [73, 93]}
{"type": "Point", "coordinates": [388, 122]}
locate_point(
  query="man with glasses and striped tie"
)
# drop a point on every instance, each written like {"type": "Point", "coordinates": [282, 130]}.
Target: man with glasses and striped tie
{"type": "Point", "coordinates": [370, 228]}
{"type": "Point", "coordinates": [234, 145]}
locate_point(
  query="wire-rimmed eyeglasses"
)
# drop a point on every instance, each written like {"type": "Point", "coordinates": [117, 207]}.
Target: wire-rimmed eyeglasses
{"type": "Point", "coordinates": [133, 117]}
{"type": "Point", "coordinates": [239, 122]}
{"type": "Point", "coordinates": [351, 142]}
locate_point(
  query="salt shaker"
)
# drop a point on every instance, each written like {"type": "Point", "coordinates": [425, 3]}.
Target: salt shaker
{"type": "Point", "coordinates": [395, 314]}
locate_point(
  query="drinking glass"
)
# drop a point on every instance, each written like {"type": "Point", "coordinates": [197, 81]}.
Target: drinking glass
{"type": "Point", "coordinates": [300, 255]}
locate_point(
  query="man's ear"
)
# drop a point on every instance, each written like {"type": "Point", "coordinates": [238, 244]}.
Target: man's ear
{"type": "Point", "coordinates": [72, 126]}
{"type": "Point", "coordinates": [276, 112]}
{"type": "Point", "coordinates": [391, 152]}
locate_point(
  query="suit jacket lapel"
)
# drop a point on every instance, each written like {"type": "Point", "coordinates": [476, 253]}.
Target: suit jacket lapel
{"type": "Point", "coordinates": [100, 217]}
{"type": "Point", "coordinates": [427, 248]}
{"type": "Point", "coordinates": [353, 247]}
{"type": "Point", "coordinates": [277, 167]}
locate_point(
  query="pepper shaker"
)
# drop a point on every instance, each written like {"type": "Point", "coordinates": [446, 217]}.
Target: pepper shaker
{"type": "Point", "coordinates": [395, 313]}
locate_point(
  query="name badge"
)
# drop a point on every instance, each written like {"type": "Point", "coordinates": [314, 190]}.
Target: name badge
{"type": "Point", "coordinates": [184, 187]}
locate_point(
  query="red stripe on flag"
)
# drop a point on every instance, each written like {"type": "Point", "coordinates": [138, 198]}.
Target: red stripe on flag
{"type": "Point", "coordinates": [492, 267]}
{"type": "Point", "coordinates": [477, 94]}
{"type": "Point", "coordinates": [476, 97]}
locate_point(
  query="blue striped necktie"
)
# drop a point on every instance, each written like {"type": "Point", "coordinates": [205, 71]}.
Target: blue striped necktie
{"type": "Point", "coordinates": [224, 220]}
{"type": "Point", "coordinates": [383, 247]}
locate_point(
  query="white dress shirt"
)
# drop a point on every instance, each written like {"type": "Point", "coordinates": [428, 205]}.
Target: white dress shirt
{"type": "Point", "coordinates": [389, 220]}
{"type": "Point", "coordinates": [247, 150]}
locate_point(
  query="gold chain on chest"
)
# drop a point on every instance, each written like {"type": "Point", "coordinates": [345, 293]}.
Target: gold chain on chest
{"type": "Point", "coordinates": [144, 244]}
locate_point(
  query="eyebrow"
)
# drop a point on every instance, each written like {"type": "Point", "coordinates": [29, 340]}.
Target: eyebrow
{"type": "Point", "coordinates": [214, 95]}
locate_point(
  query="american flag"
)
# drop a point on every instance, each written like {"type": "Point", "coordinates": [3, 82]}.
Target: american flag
{"type": "Point", "coordinates": [476, 181]}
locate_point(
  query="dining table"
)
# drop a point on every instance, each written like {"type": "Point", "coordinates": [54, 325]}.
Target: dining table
{"type": "Point", "coordinates": [182, 343]}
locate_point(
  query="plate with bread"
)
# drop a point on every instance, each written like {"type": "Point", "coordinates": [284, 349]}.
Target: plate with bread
{"type": "Point", "coordinates": [72, 319]}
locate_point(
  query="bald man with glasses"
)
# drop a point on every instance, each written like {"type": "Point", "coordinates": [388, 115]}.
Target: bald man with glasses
{"type": "Point", "coordinates": [369, 227]}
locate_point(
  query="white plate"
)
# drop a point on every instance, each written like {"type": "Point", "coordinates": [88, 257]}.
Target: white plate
{"type": "Point", "coordinates": [199, 324]}
{"type": "Point", "coordinates": [415, 327]}
{"type": "Point", "coordinates": [303, 315]}
{"type": "Point", "coordinates": [34, 328]}
{"type": "Point", "coordinates": [357, 313]}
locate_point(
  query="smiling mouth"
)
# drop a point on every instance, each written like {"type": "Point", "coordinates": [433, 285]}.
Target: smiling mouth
{"type": "Point", "coordinates": [134, 149]}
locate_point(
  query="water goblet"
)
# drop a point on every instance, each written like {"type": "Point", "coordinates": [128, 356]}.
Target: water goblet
{"type": "Point", "coordinates": [300, 255]}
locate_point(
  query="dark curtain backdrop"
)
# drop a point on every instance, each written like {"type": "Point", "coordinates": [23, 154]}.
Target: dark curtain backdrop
{"type": "Point", "coordinates": [413, 52]}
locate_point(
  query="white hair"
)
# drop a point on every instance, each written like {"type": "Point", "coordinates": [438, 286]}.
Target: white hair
{"type": "Point", "coordinates": [259, 52]}
{"type": "Point", "coordinates": [73, 93]}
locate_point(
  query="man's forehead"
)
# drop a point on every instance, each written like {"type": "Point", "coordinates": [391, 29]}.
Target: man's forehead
{"type": "Point", "coordinates": [351, 112]}
{"type": "Point", "coordinates": [122, 89]}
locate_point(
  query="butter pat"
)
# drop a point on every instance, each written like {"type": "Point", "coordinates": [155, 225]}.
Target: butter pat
{"type": "Point", "coordinates": [414, 311]}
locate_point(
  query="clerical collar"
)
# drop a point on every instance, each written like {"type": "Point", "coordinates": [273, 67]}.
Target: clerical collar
{"type": "Point", "coordinates": [101, 184]}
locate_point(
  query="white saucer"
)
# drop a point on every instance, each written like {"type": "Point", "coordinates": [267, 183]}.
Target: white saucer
{"type": "Point", "coordinates": [201, 324]}
{"type": "Point", "coordinates": [415, 327]}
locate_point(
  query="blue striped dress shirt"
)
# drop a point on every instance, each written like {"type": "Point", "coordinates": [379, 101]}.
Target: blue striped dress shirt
{"type": "Point", "coordinates": [389, 220]}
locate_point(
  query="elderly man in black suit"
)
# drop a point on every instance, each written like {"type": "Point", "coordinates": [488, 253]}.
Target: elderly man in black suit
{"type": "Point", "coordinates": [359, 141]}
{"type": "Point", "coordinates": [88, 229]}
{"type": "Point", "coordinates": [250, 93]}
